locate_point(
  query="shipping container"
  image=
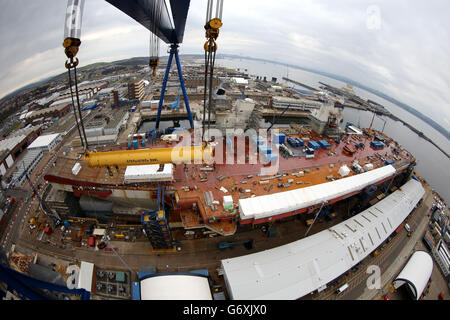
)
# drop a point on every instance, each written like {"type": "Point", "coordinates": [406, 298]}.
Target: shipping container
{"type": "Point", "coordinates": [324, 144]}
{"type": "Point", "coordinates": [300, 141]}
{"type": "Point", "coordinates": [292, 142]}
{"type": "Point", "coordinates": [377, 144]}
{"type": "Point", "coordinates": [314, 145]}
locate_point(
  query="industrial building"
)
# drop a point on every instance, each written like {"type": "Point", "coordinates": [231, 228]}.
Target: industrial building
{"type": "Point", "coordinates": [27, 164]}
{"type": "Point", "coordinates": [46, 143]}
{"type": "Point", "coordinates": [415, 275]}
{"type": "Point", "coordinates": [104, 128]}
{"type": "Point", "coordinates": [281, 102]}
{"type": "Point", "coordinates": [294, 270]}
{"type": "Point", "coordinates": [15, 144]}
{"type": "Point", "coordinates": [136, 90]}
{"type": "Point", "coordinates": [56, 111]}
{"type": "Point", "coordinates": [442, 256]}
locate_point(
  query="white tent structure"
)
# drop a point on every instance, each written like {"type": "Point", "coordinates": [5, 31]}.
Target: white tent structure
{"type": "Point", "coordinates": [149, 173]}
{"type": "Point", "coordinates": [416, 273]}
{"type": "Point", "coordinates": [278, 203]}
{"type": "Point", "coordinates": [175, 287]}
{"type": "Point", "coordinates": [86, 275]}
{"type": "Point", "coordinates": [296, 269]}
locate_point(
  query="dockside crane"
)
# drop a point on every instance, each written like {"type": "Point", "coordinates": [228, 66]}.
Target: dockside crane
{"type": "Point", "coordinates": [212, 28]}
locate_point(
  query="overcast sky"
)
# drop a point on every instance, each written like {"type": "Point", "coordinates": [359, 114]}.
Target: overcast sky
{"type": "Point", "coordinates": [399, 47]}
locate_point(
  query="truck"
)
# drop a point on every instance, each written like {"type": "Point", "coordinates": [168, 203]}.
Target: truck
{"type": "Point", "coordinates": [408, 229]}
{"type": "Point", "coordinates": [342, 289]}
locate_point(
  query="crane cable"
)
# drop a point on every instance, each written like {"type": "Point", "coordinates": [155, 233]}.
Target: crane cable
{"type": "Point", "coordinates": [212, 27]}
{"type": "Point", "coordinates": [154, 39]}
{"type": "Point", "coordinates": [71, 44]}
{"type": "Point", "coordinates": [73, 65]}
{"type": "Point", "coordinates": [73, 107]}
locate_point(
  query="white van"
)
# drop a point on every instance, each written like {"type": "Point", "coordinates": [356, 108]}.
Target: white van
{"type": "Point", "coordinates": [342, 289]}
{"type": "Point", "coordinates": [407, 227]}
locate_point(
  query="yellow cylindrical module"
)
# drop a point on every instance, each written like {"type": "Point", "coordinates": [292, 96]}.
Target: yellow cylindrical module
{"type": "Point", "coordinates": [191, 154]}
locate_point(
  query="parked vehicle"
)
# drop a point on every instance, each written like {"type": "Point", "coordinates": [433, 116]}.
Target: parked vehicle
{"type": "Point", "coordinates": [342, 289]}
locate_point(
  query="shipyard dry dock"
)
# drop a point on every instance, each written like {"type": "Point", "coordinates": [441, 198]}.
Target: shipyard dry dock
{"type": "Point", "coordinates": [194, 193]}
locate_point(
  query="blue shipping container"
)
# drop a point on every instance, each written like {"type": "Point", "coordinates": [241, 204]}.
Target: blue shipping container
{"type": "Point", "coordinates": [292, 142]}
{"type": "Point", "coordinates": [377, 144]}
{"type": "Point", "coordinates": [324, 144]}
{"type": "Point", "coordinates": [300, 141]}
{"type": "Point", "coordinates": [314, 145]}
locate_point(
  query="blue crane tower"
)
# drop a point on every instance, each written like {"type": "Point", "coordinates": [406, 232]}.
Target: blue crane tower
{"type": "Point", "coordinates": [175, 106]}
{"type": "Point", "coordinates": [143, 11]}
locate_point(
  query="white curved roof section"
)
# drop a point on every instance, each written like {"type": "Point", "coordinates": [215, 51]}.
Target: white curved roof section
{"type": "Point", "coordinates": [282, 202]}
{"type": "Point", "coordinates": [294, 270]}
{"type": "Point", "coordinates": [175, 287]}
{"type": "Point", "coordinates": [416, 273]}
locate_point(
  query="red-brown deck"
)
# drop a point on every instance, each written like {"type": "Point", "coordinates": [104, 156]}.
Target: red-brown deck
{"type": "Point", "coordinates": [191, 182]}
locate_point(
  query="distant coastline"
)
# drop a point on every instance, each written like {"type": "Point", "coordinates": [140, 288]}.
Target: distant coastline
{"type": "Point", "coordinates": [400, 104]}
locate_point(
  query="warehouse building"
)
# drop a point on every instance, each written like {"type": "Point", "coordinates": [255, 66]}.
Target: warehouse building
{"type": "Point", "coordinates": [296, 269]}
{"type": "Point", "coordinates": [117, 122]}
{"type": "Point", "coordinates": [57, 111]}
{"type": "Point", "coordinates": [46, 143]}
{"type": "Point", "coordinates": [15, 144]}
{"type": "Point", "coordinates": [294, 104]}
{"type": "Point", "coordinates": [27, 164]}
{"type": "Point", "coordinates": [442, 256]}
